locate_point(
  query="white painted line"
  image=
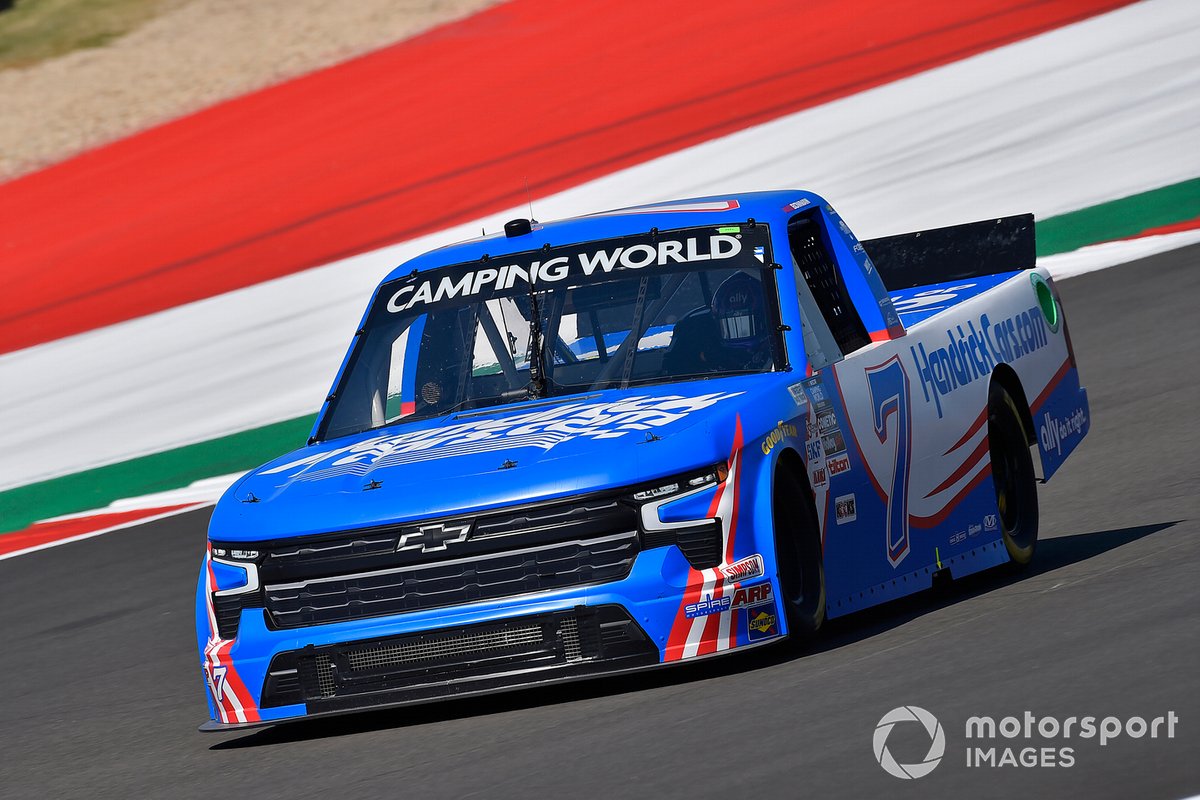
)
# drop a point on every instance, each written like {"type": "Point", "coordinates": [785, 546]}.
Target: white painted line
{"type": "Point", "coordinates": [1110, 254]}
{"type": "Point", "coordinates": [80, 537]}
{"type": "Point", "coordinates": [205, 490]}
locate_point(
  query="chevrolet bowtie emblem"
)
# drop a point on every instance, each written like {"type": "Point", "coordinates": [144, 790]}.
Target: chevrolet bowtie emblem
{"type": "Point", "coordinates": [429, 538]}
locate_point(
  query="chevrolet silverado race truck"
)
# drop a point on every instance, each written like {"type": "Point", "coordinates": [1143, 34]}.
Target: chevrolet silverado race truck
{"type": "Point", "coordinates": [639, 438]}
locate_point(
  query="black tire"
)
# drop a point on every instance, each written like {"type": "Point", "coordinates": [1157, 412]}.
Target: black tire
{"type": "Point", "coordinates": [1012, 476]}
{"type": "Point", "coordinates": [798, 556]}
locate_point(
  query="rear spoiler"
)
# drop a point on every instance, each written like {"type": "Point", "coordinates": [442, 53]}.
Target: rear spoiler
{"type": "Point", "coordinates": [956, 253]}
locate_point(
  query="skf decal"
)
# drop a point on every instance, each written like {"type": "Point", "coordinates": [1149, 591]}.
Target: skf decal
{"type": "Point", "coordinates": [780, 432]}
{"type": "Point", "coordinates": [761, 622]}
{"type": "Point", "coordinates": [745, 570]}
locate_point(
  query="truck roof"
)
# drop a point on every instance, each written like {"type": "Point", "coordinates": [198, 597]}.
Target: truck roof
{"type": "Point", "coordinates": [691, 212]}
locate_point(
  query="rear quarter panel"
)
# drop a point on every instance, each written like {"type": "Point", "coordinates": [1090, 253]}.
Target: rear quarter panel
{"type": "Point", "coordinates": [913, 412]}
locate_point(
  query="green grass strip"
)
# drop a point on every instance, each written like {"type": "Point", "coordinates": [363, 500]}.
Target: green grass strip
{"type": "Point", "coordinates": [172, 469]}
{"type": "Point", "coordinates": [1119, 219]}
{"type": "Point", "coordinates": [177, 468]}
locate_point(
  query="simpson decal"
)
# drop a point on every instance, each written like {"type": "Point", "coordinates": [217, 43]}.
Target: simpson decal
{"type": "Point", "coordinates": [745, 570]}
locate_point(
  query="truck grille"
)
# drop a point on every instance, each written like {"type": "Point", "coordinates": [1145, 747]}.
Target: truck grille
{"type": "Point", "coordinates": [451, 582]}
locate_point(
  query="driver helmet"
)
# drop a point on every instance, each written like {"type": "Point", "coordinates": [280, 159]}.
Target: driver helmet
{"type": "Point", "coordinates": [738, 307]}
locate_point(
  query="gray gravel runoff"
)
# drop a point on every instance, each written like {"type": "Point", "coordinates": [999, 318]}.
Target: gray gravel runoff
{"type": "Point", "coordinates": [103, 693]}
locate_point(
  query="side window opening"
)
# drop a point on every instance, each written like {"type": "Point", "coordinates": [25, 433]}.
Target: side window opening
{"type": "Point", "coordinates": [823, 297]}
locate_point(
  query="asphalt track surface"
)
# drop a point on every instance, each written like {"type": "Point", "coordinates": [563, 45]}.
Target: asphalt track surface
{"type": "Point", "coordinates": [102, 692]}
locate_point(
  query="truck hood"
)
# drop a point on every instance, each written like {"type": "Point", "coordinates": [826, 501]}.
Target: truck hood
{"type": "Point", "coordinates": [490, 458]}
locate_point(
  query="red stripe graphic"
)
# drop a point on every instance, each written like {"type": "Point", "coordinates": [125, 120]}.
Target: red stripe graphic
{"type": "Point", "coordinates": [1160, 230]}
{"type": "Point", "coordinates": [42, 533]}
{"type": "Point", "coordinates": [972, 460]}
{"type": "Point", "coordinates": [234, 702]}
{"type": "Point", "coordinates": [442, 129]}
{"type": "Point", "coordinates": [681, 629]}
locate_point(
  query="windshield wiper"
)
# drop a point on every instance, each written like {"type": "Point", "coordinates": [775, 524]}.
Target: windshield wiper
{"type": "Point", "coordinates": [537, 377]}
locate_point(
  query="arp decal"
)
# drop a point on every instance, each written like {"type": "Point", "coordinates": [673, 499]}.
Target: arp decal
{"type": "Point", "coordinates": [541, 429]}
{"type": "Point", "coordinates": [719, 605]}
{"type": "Point", "coordinates": [887, 385]}
{"type": "Point", "coordinates": [753, 595]}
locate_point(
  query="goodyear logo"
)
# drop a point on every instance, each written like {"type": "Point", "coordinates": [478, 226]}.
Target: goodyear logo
{"type": "Point", "coordinates": [781, 431]}
{"type": "Point", "coordinates": [972, 353]}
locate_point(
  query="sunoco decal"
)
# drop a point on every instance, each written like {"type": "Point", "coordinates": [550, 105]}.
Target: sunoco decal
{"type": "Point", "coordinates": [972, 354]}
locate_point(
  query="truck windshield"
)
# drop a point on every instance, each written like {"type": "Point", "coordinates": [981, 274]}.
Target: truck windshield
{"type": "Point", "coordinates": [665, 306]}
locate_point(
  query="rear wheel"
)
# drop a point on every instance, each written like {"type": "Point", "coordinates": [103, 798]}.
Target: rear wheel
{"type": "Point", "coordinates": [1012, 476]}
{"type": "Point", "coordinates": [798, 554]}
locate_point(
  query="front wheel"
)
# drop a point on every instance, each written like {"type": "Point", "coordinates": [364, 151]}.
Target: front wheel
{"type": "Point", "coordinates": [798, 555]}
{"type": "Point", "coordinates": [1012, 476]}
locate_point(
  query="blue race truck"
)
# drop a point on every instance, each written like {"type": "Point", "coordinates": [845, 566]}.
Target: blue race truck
{"type": "Point", "coordinates": [637, 438]}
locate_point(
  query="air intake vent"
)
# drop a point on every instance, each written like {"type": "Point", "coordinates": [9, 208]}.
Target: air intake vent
{"type": "Point", "coordinates": [456, 660]}
{"type": "Point", "coordinates": [404, 653]}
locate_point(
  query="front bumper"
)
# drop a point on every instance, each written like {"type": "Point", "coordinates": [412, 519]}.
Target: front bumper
{"type": "Point", "coordinates": [462, 661]}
